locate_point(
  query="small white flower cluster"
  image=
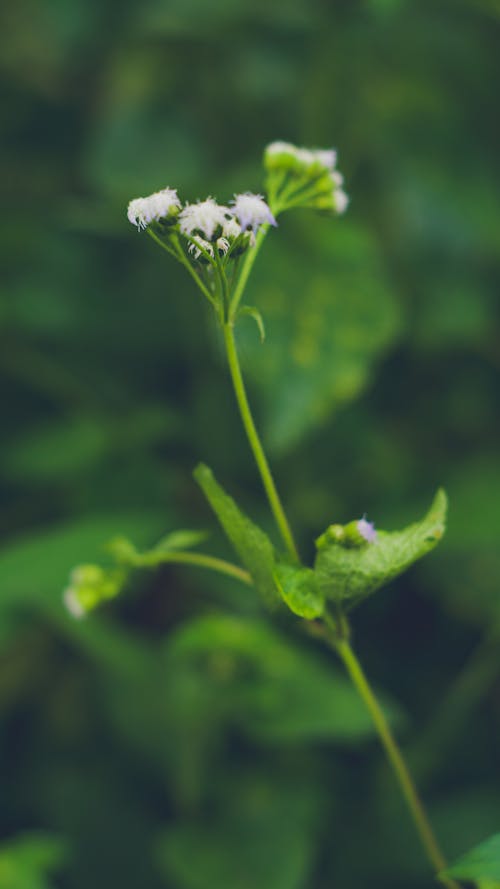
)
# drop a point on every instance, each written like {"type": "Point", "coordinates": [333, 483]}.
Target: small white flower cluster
{"type": "Point", "coordinates": [205, 223]}
{"type": "Point", "coordinates": [160, 205]}
{"type": "Point", "coordinates": [310, 163]}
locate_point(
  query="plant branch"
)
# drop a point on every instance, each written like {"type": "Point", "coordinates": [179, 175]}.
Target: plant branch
{"type": "Point", "coordinates": [395, 758]}
{"type": "Point", "coordinates": [255, 443]}
{"type": "Point", "coordinates": [201, 560]}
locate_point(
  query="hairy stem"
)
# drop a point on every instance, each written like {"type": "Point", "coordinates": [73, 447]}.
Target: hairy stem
{"type": "Point", "coordinates": [395, 758]}
{"type": "Point", "coordinates": [255, 443]}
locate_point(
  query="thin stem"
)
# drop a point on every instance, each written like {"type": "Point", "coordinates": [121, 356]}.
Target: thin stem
{"type": "Point", "coordinates": [395, 758]}
{"type": "Point", "coordinates": [182, 259]}
{"type": "Point", "coordinates": [246, 268]}
{"type": "Point", "coordinates": [211, 562]}
{"type": "Point", "coordinates": [255, 443]}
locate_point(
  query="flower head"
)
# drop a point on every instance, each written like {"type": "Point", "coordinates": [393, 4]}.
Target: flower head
{"type": "Point", "coordinates": [284, 155]}
{"type": "Point", "coordinates": [197, 243]}
{"type": "Point", "coordinates": [142, 211]}
{"type": "Point", "coordinates": [251, 211]}
{"type": "Point", "coordinates": [203, 218]}
{"type": "Point", "coordinates": [367, 530]}
{"type": "Point", "coordinates": [231, 228]}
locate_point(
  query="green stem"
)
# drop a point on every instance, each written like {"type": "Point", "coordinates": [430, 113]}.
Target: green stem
{"type": "Point", "coordinates": [246, 268]}
{"type": "Point", "coordinates": [255, 443]}
{"type": "Point", "coordinates": [395, 758]}
{"type": "Point", "coordinates": [178, 254]}
{"type": "Point", "coordinates": [201, 560]}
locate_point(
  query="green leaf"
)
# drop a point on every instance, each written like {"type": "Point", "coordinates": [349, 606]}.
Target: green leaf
{"type": "Point", "coordinates": [28, 860]}
{"type": "Point", "coordinates": [481, 864]}
{"type": "Point", "coordinates": [251, 543]}
{"type": "Point", "coordinates": [300, 590]}
{"type": "Point", "coordinates": [259, 829]}
{"type": "Point", "coordinates": [254, 313]}
{"type": "Point", "coordinates": [330, 315]}
{"type": "Point", "coordinates": [268, 685]}
{"type": "Point", "coordinates": [350, 574]}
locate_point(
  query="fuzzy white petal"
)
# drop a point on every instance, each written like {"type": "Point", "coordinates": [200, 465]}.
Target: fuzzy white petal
{"type": "Point", "coordinates": [205, 217]}
{"type": "Point", "coordinates": [142, 211]}
{"type": "Point", "coordinates": [251, 211]}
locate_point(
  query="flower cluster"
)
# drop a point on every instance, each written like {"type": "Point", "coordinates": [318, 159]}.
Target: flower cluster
{"type": "Point", "coordinates": [89, 586]}
{"type": "Point", "coordinates": [313, 172]}
{"type": "Point", "coordinates": [206, 225]}
{"type": "Point", "coordinates": [354, 534]}
{"type": "Point", "coordinates": [162, 204]}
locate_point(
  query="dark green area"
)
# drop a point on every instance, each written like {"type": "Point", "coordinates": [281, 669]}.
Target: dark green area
{"type": "Point", "coordinates": [183, 737]}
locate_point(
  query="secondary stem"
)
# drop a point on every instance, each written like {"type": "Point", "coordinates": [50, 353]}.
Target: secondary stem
{"type": "Point", "coordinates": [255, 443]}
{"type": "Point", "coordinates": [246, 268]}
{"type": "Point", "coordinates": [395, 758]}
{"type": "Point", "coordinates": [214, 564]}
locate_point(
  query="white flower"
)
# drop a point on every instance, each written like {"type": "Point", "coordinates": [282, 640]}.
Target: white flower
{"type": "Point", "coordinates": [204, 217]}
{"type": "Point", "coordinates": [223, 245]}
{"type": "Point", "coordinates": [142, 211]}
{"type": "Point", "coordinates": [251, 211]}
{"type": "Point", "coordinates": [72, 602]}
{"type": "Point", "coordinates": [341, 200]}
{"type": "Point", "coordinates": [231, 228]}
{"type": "Point", "coordinates": [196, 243]}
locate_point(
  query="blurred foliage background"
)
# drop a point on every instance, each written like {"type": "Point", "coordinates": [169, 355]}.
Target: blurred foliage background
{"type": "Point", "coordinates": [181, 738]}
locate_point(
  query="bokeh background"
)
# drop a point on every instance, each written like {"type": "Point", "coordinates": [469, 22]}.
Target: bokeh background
{"type": "Point", "coordinates": [181, 737]}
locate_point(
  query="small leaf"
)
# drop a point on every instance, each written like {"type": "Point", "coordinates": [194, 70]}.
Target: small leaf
{"type": "Point", "coordinates": [251, 543]}
{"type": "Point", "coordinates": [351, 574]}
{"type": "Point", "coordinates": [481, 864]}
{"type": "Point", "coordinates": [257, 317]}
{"type": "Point", "coordinates": [300, 590]}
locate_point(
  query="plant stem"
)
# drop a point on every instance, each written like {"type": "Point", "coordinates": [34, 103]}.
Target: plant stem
{"type": "Point", "coordinates": [255, 443]}
{"type": "Point", "coordinates": [246, 268]}
{"type": "Point", "coordinates": [178, 254]}
{"type": "Point", "coordinates": [214, 564]}
{"type": "Point", "coordinates": [395, 758]}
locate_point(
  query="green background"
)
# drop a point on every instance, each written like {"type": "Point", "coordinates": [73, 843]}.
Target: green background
{"type": "Point", "coordinates": [181, 737]}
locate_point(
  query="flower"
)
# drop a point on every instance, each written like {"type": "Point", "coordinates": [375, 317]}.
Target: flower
{"type": "Point", "coordinates": [196, 243]}
{"type": "Point", "coordinates": [203, 218]}
{"type": "Point", "coordinates": [251, 211]}
{"type": "Point", "coordinates": [341, 200]}
{"type": "Point", "coordinates": [142, 211]}
{"type": "Point", "coordinates": [72, 602]}
{"type": "Point", "coordinates": [367, 530]}
{"type": "Point", "coordinates": [231, 228]}
{"type": "Point", "coordinates": [223, 246]}
{"type": "Point", "coordinates": [286, 155]}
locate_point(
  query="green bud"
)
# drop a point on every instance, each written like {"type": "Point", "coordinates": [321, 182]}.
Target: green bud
{"type": "Point", "coordinates": [89, 586]}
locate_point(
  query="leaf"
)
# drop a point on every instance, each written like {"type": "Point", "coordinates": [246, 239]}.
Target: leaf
{"type": "Point", "coordinates": [28, 860]}
{"type": "Point", "coordinates": [260, 830]}
{"type": "Point", "coordinates": [481, 864]}
{"type": "Point", "coordinates": [275, 690]}
{"type": "Point", "coordinates": [350, 574]}
{"type": "Point", "coordinates": [330, 315]}
{"type": "Point", "coordinates": [251, 543]}
{"type": "Point", "coordinates": [254, 313]}
{"type": "Point", "coordinates": [299, 588]}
